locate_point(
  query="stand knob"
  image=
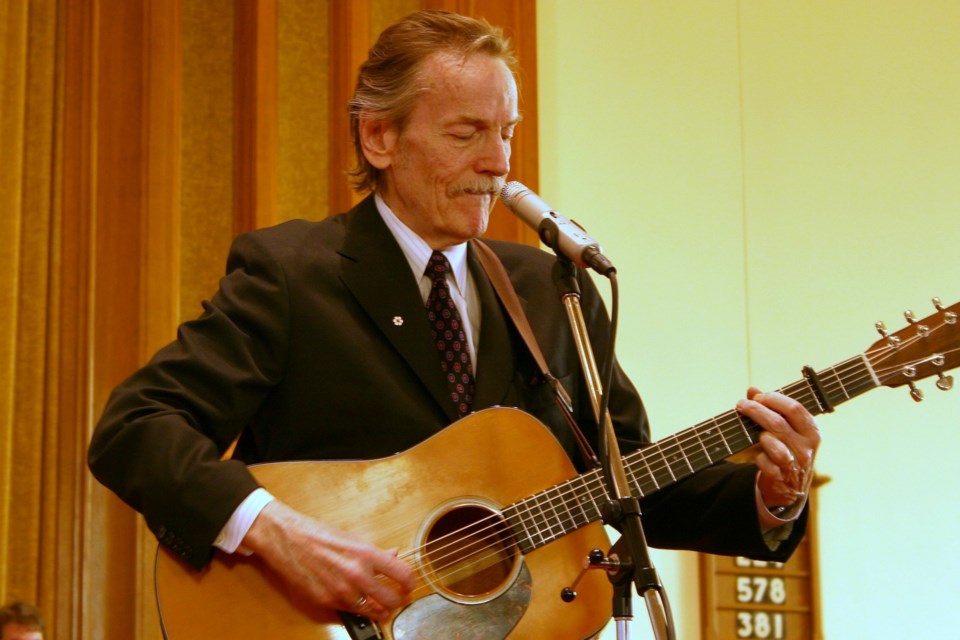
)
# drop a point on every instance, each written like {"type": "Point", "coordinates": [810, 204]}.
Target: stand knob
{"type": "Point", "coordinates": [596, 559]}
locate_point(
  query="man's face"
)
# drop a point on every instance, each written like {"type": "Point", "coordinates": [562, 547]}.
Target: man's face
{"type": "Point", "coordinates": [446, 166]}
{"type": "Point", "coordinates": [16, 631]}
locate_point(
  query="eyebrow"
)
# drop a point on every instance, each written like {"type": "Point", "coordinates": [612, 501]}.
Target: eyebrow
{"type": "Point", "coordinates": [481, 121]}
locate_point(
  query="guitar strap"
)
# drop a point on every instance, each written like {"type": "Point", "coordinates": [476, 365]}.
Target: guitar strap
{"type": "Point", "coordinates": [508, 296]}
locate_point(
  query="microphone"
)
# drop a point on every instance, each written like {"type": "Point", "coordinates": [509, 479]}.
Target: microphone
{"type": "Point", "coordinates": [564, 236]}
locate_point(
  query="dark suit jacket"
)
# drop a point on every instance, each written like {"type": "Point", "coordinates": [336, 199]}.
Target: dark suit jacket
{"type": "Point", "coordinates": [316, 346]}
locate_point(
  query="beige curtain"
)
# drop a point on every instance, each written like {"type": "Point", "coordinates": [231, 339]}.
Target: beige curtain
{"type": "Point", "coordinates": [41, 448]}
{"type": "Point", "coordinates": [136, 138]}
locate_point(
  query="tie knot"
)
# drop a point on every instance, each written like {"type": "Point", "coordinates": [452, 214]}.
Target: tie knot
{"type": "Point", "coordinates": [437, 266]}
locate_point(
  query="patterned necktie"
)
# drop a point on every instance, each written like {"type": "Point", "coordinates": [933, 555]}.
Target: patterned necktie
{"type": "Point", "coordinates": [448, 335]}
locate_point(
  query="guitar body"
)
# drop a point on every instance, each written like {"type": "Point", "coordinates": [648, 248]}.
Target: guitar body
{"type": "Point", "coordinates": [486, 461]}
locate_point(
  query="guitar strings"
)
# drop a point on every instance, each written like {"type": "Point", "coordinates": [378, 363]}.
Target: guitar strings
{"type": "Point", "coordinates": [530, 510]}
{"type": "Point", "coordinates": [528, 514]}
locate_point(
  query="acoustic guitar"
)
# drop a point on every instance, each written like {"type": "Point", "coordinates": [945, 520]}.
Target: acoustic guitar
{"type": "Point", "coordinates": [493, 517]}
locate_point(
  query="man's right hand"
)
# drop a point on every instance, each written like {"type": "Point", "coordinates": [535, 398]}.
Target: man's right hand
{"type": "Point", "coordinates": [326, 568]}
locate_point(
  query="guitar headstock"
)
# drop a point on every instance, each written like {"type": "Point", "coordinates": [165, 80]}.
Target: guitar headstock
{"type": "Point", "coordinates": [923, 348]}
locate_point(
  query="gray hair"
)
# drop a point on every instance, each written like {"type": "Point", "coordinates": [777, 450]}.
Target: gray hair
{"type": "Point", "coordinates": [388, 80]}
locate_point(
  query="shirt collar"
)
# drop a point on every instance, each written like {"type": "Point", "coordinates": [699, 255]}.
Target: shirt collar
{"type": "Point", "coordinates": [417, 251]}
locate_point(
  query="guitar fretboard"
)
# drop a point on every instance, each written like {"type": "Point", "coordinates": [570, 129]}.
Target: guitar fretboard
{"type": "Point", "coordinates": [573, 504]}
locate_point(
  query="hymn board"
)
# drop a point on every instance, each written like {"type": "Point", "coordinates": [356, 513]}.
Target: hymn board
{"type": "Point", "coordinates": [751, 599]}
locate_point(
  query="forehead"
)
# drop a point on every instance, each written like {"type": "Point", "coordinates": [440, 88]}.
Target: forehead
{"type": "Point", "coordinates": [477, 87]}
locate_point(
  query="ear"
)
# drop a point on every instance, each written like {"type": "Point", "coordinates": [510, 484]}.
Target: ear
{"type": "Point", "coordinates": [378, 139]}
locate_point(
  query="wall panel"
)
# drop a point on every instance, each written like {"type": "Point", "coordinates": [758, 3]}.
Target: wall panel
{"type": "Point", "coordinates": [772, 178]}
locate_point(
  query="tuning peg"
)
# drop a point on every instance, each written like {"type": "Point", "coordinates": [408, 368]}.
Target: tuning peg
{"type": "Point", "coordinates": [922, 330]}
{"type": "Point", "coordinates": [881, 328]}
{"type": "Point", "coordinates": [950, 317]}
{"type": "Point", "coordinates": [945, 383]}
{"type": "Point", "coordinates": [915, 393]}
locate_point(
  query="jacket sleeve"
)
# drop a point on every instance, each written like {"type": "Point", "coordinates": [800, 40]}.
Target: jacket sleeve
{"type": "Point", "coordinates": [159, 442]}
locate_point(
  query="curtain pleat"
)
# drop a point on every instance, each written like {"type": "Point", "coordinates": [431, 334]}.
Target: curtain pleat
{"type": "Point", "coordinates": [29, 330]}
{"type": "Point", "coordinates": [13, 57]}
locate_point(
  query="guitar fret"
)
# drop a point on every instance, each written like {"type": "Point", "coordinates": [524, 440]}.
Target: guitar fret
{"type": "Point", "coordinates": [834, 374]}
{"type": "Point", "coordinates": [533, 520]}
{"type": "Point", "coordinates": [562, 505]}
{"type": "Point", "coordinates": [632, 480]}
{"type": "Point", "coordinates": [650, 474]}
{"type": "Point", "coordinates": [743, 426]}
{"type": "Point", "coordinates": [737, 435]}
{"type": "Point", "coordinates": [700, 456]}
{"type": "Point", "coordinates": [717, 452]}
{"type": "Point", "coordinates": [582, 497]}
{"type": "Point", "coordinates": [557, 529]}
{"type": "Point", "coordinates": [869, 376]}
{"type": "Point", "coordinates": [597, 490]}
{"type": "Point", "coordinates": [666, 466]}
{"type": "Point", "coordinates": [706, 453]}
{"type": "Point", "coordinates": [643, 481]}
{"type": "Point", "coordinates": [543, 524]}
{"type": "Point", "coordinates": [673, 460]}
{"type": "Point", "coordinates": [568, 520]}
{"type": "Point", "coordinates": [804, 392]}
{"type": "Point", "coordinates": [542, 519]}
{"type": "Point", "coordinates": [682, 457]}
{"type": "Point", "coordinates": [519, 528]}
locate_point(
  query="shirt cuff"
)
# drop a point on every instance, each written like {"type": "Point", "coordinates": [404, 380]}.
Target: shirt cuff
{"type": "Point", "coordinates": [240, 522]}
{"type": "Point", "coordinates": [779, 516]}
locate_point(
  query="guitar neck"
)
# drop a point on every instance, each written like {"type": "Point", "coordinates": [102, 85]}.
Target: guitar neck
{"type": "Point", "coordinates": [557, 511]}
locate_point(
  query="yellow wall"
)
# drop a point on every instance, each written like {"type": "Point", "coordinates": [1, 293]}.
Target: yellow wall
{"type": "Point", "coordinates": [771, 178]}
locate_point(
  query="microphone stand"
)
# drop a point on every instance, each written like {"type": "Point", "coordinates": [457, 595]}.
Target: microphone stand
{"type": "Point", "coordinates": [630, 556]}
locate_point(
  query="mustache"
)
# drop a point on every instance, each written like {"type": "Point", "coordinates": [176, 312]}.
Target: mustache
{"type": "Point", "coordinates": [477, 186]}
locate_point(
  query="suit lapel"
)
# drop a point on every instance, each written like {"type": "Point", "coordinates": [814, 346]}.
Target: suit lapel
{"type": "Point", "coordinates": [371, 263]}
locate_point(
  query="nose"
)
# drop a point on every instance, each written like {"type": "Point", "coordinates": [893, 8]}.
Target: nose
{"type": "Point", "coordinates": [494, 157]}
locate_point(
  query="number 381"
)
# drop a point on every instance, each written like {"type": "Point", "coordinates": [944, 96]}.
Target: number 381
{"type": "Point", "coordinates": [760, 624]}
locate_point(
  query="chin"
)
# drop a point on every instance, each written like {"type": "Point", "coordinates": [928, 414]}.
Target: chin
{"type": "Point", "coordinates": [480, 225]}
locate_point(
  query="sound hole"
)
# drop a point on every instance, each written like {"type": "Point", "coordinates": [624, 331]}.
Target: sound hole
{"type": "Point", "coordinates": [470, 555]}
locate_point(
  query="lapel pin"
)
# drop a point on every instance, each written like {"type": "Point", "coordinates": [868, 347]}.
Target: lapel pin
{"type": "Point", "coordinates": [398, 321]}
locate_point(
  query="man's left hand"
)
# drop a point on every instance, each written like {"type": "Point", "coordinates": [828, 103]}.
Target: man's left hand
{"type": "Point", "coordinates": [788, 446]}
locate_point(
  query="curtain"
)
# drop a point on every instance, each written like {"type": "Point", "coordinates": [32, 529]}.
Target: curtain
{"type": "Point", "coordinates": [124, 136]}
{"type": "Point", "coordinates": [41, 478]}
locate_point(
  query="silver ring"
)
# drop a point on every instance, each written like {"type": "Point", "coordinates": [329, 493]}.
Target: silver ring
{"type": "Point", "coordinates": [361, 601]}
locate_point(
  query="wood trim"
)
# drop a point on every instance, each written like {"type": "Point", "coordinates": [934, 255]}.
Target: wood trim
{"type": "Point", "coordinates": [350, 40]}
{"type": "Point", "coordinates": [257, 113]}
{"type": "Point", "coordinates": [117, 93]}
{"type": "Point", "coordinates": [75, 592]}
{"type": "Point", "coordinates": [160, 239]}
{"type": "Point", "coordinates": [162, 105]}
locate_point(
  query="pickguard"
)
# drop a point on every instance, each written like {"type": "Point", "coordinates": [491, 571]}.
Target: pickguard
{"type": "Point", "coordinates": [434, 617]}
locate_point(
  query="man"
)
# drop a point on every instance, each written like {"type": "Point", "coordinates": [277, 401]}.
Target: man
{"type": "Point", "coordinates": [20, 621]}
{"type": "Point", "coordinates": [317, 346]}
